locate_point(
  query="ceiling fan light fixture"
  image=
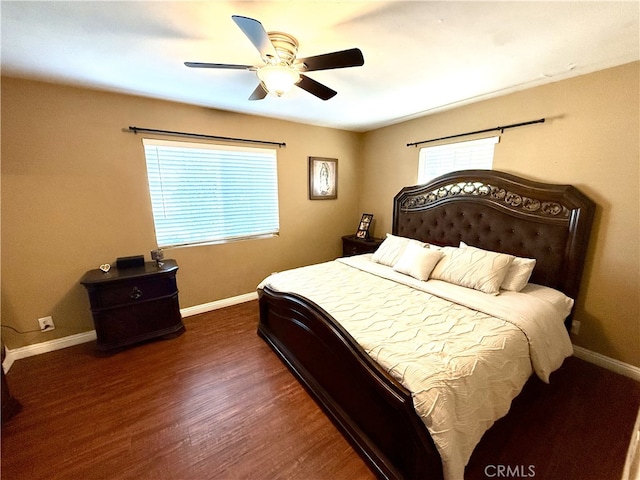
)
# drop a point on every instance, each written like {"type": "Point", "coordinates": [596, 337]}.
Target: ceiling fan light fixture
{"type": "Point", "coordinates": [278, 80]}
{"type": "Point", "coordinates": [282, 69]}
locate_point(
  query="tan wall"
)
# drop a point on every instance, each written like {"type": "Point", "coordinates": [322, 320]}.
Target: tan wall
{"type": "Point", "coordinates": [591, 140]}
{"type": "Point", "coordinates": [74, 195]}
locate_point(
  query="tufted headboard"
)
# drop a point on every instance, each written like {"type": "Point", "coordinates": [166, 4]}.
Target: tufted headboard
{"type": "Point", "coordinates": [504, 213]}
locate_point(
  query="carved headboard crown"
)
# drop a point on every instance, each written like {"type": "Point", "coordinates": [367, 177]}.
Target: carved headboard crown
{"type": "Point", "coordinates": [505, 213]}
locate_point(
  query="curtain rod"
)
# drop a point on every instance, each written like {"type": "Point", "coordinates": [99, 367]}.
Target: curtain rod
{"type": "Point", "coordinates": [502, 129]}
{"type": "Point", "coordinates": [200, 135]}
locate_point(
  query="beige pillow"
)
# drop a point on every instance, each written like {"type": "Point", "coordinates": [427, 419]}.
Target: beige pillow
{"type": "Point", "coordinates": [418, 261]}
{"type": "Point", "coordinates": [391, 249]}
{"type": "Point", "coordinates": [473, 268]}
{"type": "Point", "coordinates": [518, 274]}
{"type": "Point", "coordinates": [559, 300]}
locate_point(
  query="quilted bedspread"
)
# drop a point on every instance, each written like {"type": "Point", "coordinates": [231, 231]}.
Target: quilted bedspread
{"type": "Point", "coordinates": [463, 355]}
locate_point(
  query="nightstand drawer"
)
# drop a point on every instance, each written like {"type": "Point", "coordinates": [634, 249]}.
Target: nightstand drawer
{"type": "Point", "coordinates": [129, 292]}
{"type": "Point", "coordinates": [349, 249]}
{"type": "Point", "coordinates": [352, 245]}
{"type": "Point", "coordinates": [131, 324]}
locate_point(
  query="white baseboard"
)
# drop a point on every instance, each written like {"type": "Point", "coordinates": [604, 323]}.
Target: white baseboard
{"type": "Point", "coordinates": [44, 347]}
{"type": "Point", "coordinates": [225, 302]}
{"type": "Point", "coordinates": [607, 362]}
{"type": "Point", "coordinates": [64, 342]}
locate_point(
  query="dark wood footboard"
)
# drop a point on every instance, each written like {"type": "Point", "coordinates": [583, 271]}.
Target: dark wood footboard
{"type": "Point", "coordinates": [372, 410]}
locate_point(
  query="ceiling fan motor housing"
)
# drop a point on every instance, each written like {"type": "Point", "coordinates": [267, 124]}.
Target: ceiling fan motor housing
{"type": "Point", "coordinates": [286, 47]}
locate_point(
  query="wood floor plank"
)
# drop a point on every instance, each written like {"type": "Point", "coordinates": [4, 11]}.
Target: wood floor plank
{"type": "Point", "coordinates": [216, 403]}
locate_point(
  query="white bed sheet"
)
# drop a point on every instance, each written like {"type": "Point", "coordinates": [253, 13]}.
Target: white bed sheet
{"type": "Point", "coordinates": [463, 354]}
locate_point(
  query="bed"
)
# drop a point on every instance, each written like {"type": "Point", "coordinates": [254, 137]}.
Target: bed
{"type": "Point", "coordinates": [360, 389]}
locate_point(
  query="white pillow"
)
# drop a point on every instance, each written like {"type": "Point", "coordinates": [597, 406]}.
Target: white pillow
{"type": "Point", "coordinates": [391, 249]}
{"type": "Point", "coordinates": [473, 268]}
{"type": "Point", "coordinates": [518, 274]}
{"type": "Point", "coordinates": [418, 261]}
{"type": "Point", "coordinates": [562, 303]}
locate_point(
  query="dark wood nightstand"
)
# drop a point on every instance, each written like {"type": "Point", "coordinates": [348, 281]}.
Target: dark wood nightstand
{"type": "Point", "coordinates": [352, 245]}
{"type": "Point", "coordinates": [134, 304]}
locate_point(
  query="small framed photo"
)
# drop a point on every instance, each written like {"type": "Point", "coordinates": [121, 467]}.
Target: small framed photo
{"type": "Point", "coordinates": [323, 178]}
{"type": "Point", "coordinates": [363, 227]}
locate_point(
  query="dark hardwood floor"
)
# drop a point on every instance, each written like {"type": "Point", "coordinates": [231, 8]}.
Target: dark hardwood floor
{"type": "Point", "coordinates": [216, 403]}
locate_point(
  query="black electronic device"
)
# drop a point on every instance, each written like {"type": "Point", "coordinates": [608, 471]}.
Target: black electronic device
{"type": "Point", "coordinates": [130, 262]}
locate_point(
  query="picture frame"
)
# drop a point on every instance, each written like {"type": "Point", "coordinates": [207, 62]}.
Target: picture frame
{"type": "Point", "coordinates": [364, 225]}
{"type": "Point", "coordinates": [323, 178]}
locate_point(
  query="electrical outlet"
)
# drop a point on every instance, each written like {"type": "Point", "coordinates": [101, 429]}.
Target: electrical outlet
{"type": "Point", "coordinates": [575, 327]}
{"type": "Point", "coordinates": [46, 324]}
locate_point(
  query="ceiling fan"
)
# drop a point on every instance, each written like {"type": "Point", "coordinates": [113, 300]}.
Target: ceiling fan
{"type": "Point", "coordinates": [281, 69]}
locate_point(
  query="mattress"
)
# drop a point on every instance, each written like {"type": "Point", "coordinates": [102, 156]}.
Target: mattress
{"type": "Point", "coordinates": [464, 355]}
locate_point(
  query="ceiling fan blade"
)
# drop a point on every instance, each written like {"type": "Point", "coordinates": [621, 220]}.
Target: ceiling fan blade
{"type": "Point", "coordinates": [219, 65]}
{"type": "Point", "coordinates": [345, 58]}
{"type": "Point", "coordinates": [315, 88]}
{"type": "Point", "coordinates": [256, 33]}
{"type": "Point", "coordinates": [259, 93]}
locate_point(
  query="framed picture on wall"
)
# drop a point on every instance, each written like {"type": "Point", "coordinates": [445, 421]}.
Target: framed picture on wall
{"type": "Point", "coordinates": [364, 225]}
{"type": "Point", "coordinates": [323, 178]}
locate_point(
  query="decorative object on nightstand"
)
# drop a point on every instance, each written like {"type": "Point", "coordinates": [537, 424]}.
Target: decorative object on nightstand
{"type": "Point", "coordinates": [352, 245]}
{"type": "Point", "coordinates": [364, 225]}
{"type": "Point", "coordinates": [131, 305]}
{"type": "Point", "coordinates": [158, 256]}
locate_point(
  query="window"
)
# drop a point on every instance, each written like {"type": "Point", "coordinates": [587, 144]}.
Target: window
{"type": "Point", "coordinates": [204, 193]}
{"type": "Point", "coordinates": [473, 154]}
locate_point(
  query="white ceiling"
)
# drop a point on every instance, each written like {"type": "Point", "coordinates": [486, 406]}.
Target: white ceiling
{"type": "Point", "coordinates": [420, 56]}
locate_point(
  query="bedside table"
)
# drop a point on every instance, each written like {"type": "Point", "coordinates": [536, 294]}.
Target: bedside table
{"type": "Point", "coordinates": [352, 245]}
{"type": "Point", "coordinates": [134, 304]}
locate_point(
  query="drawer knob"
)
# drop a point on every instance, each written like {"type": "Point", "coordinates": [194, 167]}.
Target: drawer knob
{"type": "Point", "coordinates": [135, 293]}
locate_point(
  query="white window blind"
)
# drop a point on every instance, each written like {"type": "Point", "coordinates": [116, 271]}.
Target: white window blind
{"type": "Point", "coordinates": [203, 193]}
{"type": "Point", "coordinates": [441, 159]}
